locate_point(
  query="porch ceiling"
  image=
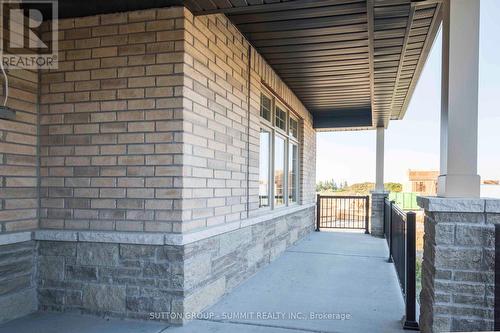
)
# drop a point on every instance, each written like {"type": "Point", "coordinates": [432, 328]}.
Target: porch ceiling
{"type": "Point", "coordinates": [342, 58]}
{"type": "Point", "coordinates": [353, 63]}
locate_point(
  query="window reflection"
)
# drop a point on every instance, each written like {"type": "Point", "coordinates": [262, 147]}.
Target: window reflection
{"type": "Point", "coordinates": [265, 144]}
{"type": "Point", "coordinates": [279, 170]}
{"type": "Point", "coordinates": [293, 174]}
{"type": "Point", "coordinates": [280, 118]}
{"type": "Point", "coordinates": [265, 107]}
{"type": "Point", "coordinates": [294, 128]}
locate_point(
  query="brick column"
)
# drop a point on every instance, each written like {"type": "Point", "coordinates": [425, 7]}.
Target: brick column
{"type": "Point", "coordinates": [458, 267]}
{"type": "Point", "coordinates": [377, 213]}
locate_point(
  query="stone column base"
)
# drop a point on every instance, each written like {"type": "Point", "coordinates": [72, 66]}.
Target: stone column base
{"type": "Point", "coordinates": [377, 213]}
{"type": "Point", "coordinates": [458, 265]}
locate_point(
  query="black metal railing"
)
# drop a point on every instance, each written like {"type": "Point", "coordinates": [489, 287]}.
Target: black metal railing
{"type": "Point", "coordinates": [496, 306]}
{"type": "Point", "coordinates": [342, 212]}
{"type": "Point", "coordinates": [400, 233]}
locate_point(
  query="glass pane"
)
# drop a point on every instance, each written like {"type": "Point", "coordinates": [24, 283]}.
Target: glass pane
{"type": "Point", "coordinates": [279, 171]}
{"type": "Point", "coordinates": [293, 174]}
{"type": "Point", "coordinates": [265, 143]}
{"type": "Point", "coordinates": [280, 118]}
{"type": "Point", "coordinates": [265, 107]}
{"type": "Point", "coordinates": [294, 128]}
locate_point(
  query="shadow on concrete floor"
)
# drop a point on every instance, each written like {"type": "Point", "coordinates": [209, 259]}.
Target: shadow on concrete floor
{"type": "Point", "coordinates": [76, 323]}
{"type": "Point", "coordinates": [328, 282]}
{"type": "Point", "coordinates": [338, 274]}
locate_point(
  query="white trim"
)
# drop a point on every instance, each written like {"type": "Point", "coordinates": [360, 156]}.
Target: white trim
{"type": "Point", "coordinates": [492, 205]}
{"type": "Point", "coordinates": [148, 238]}
{"type": "Point", "coordinates": [277, 134]}
{"type": "Point", "coordinates": [122, 237]}
{"type": "Point", "coordinates": [15, 237]}
{"type": "Point", "coordinates": [58, 235]}
{"type": "Point", "coordinates": [270, 197]}
{"type": "Point", "coordinates": [284, 109]}
{"type": "Point", "coordinates": [457, 205]}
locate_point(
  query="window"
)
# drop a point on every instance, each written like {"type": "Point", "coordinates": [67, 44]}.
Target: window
{"type": "Point", "coordinates": [280, 118]}
{"type": "Point", "coordinates": [293, 175]}
{"type": "Point", "coordinates": [279, 155]}
{"type": "Point", "coordinates": [265, 107]}
{"type": "Point", "coordinates": [264, 168]}
{"type": "Point", "coordinates": [279, 170]}
{"type": "Point", "coordinates": [294, 128]}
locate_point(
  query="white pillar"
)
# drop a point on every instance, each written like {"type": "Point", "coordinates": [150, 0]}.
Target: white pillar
{"type": "Point", "coordinates": [459, 99]}
{"type": "Point", "coordinates": [379, 170]}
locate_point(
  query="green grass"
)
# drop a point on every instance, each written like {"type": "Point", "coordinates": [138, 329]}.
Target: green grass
{"type": "Point", "coordinates": [418, 275]}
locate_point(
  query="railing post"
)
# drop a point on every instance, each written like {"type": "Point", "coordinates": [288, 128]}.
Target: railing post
{"type": "Point", "coordinates": [496, 307]}
{"type": "Point", "coordinates": [318, 211]}
{"type": "Point", "coordinates": [386, 221]}
{"type": "Point", "coordinates": [367, 212]}
{"type": "Point", "coordinates": [410, 322]}
{"type": "Point", "coordinates": [390, 231]}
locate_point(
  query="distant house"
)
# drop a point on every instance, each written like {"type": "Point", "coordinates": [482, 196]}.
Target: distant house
{"type": "Point", "coordinates": [423, 182]}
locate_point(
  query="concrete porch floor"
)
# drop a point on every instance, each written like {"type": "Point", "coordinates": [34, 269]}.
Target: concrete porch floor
{"type": "Point", "coordinates": [339, 273]}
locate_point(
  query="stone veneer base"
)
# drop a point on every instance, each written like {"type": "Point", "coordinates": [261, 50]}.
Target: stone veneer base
{"type": "Point", "coordinates": [458, 264]}
{"type": "Point", "coordinates": [17, 280]}
{"type": "Point", "coordinates": [137, 280]}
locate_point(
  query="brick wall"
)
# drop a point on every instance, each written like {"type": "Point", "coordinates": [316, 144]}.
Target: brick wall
{"type": "Point", "coordinates": [221, 131]}
{"type": "Point", "coordinates": [151, 107]}
{"type": "Point", "coordinates": [18, 190]}
{"type": "Point", "coordinates": [18, 152]}
{"type": "Point", "coordinates": [145, 126]}
{"type": "Point", "coordinates": [111, 124]}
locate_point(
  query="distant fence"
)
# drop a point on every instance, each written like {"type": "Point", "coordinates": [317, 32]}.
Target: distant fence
{"type": "Point", "coordinates": [400, 233]}
{"type": "Point", "coordinates": [342, 212]}
{"type": "Point", "coordinates": [405, 200]}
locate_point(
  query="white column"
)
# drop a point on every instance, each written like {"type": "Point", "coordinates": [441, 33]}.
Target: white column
{"type": "Point", "coordinates": [379, 176]}
{"type": "Point", "coordinates": [459, 99]}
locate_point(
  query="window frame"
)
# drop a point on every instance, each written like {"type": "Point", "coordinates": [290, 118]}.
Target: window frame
{"type": "Point", "coordinates": [296, 119]}
{"type": "Point", "coordinates": [278, 105]}
{"type": "Point", "coordinates": [294, 140]}
{"type": "Point", "coordinates": [289, 139]}
{"type": "Point", "coordinates": [268, 122]}
{"type": "Point", "coordinates": [297, 179]}
{"type": "Point", "coordinates": [285, 170]}
{"type": "Point", "coordinates": [270, 167]}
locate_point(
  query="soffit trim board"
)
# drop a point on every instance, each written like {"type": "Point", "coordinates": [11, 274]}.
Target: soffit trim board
{"type": "Point", "coordinates": [401, 61]}
{"type": "Point", "coordinates": [371, 51]}
{"type": "Point", "coordinates": [345, 118]}
{"type": "Point", "coordinates": [279, 98]}
{"type": "Point", "coordinates": [268, 7]}
{"type": "Point", "coordinates": [426, 48]}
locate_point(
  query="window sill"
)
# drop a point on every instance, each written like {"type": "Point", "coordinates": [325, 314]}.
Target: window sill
{"type": "Point", "coordinates": [280, 210]}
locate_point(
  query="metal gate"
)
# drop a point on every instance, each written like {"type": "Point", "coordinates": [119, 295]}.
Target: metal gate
{"type": "Point", "coordinates": [342, 212]}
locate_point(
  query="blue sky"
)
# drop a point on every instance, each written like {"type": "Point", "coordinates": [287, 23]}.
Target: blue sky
{"type": "Point", "coordinates": [414, 141]}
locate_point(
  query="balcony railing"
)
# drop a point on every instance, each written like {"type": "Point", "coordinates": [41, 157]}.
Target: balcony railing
{"type": "Point", "coordinates": [342, 212]}
{"type": "Point", "coordinates": [400, 233]}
